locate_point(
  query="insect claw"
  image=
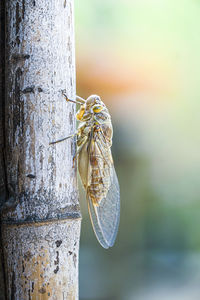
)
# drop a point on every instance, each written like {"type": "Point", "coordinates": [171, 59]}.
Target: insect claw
{"type": "Point", "coordinates": [67, 99]}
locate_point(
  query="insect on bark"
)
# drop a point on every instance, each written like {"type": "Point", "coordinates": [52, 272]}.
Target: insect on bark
{"type": "Point", "coordinates": [96, 167]}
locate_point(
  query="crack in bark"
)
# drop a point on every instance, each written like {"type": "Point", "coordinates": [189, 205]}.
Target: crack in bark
{"type": "Point", "coordinates": [31, 176]}
{"type": "Point", "coordinates": [19, 57]}
{"type": "Point", "coordinates": [23, 8]}
{"type": "Point", "coordinates": [17, 107]}
{"type": "Point", "coordinates": [40, 90]}
{"type": "Point", "coordinates": [58, 243]}
{"type": "Point", "coordinates": [18, 21]}
{"type": "Point", "coordinates": [29, 89]}
{"type": "Point", "coordinates": [13, 287]}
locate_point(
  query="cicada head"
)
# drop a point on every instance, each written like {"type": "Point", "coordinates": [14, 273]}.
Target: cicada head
{"type": "Point", "coordinates": [93, 99]}
{"type": "Point", "coordinates": [94, 104]}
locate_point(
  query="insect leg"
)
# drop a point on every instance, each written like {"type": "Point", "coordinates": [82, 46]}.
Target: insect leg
{"type": "Point", "coordinates": [79, 100]}
{"type": "Point", "coordinates": [65, 138]}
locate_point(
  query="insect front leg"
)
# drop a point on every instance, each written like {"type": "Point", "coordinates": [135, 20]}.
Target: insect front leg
{"type": "Point", "coordinates": [78, 100]}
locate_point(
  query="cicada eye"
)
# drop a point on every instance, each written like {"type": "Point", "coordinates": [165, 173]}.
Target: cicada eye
{"type": "Point", "coordinates": [80, 113]}
{"type": "Point", "coordinates": [97, 108]}
{"type": "Point", "coordinates": [97, 98]}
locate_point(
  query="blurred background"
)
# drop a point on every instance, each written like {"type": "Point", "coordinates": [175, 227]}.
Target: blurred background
{"type": "Point", "coordinates": [143, 58]}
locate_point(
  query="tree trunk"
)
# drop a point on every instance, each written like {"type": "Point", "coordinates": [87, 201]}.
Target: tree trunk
{"type": "Point", "coordinates": [41, 217]}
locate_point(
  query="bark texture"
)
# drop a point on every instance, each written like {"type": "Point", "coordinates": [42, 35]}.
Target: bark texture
{"type": "Point", "coordinates": [41, 217]}
{"type": "Point", "coordinates": [2, 105]}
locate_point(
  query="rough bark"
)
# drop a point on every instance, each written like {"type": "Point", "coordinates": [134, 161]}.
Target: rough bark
{"type": "Point", "coordinates": [41, 217]}
{"type": "Point", "coordinates": [2, 88]}
{"type": "Point", "coordinates": [2, 104]}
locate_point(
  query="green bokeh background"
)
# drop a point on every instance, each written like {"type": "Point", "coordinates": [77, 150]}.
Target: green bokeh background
{"type": "Point", "coordinates": [143, 58]}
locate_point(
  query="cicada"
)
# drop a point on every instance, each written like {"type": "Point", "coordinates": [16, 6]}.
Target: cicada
{"type": "Point", "coordinates": [96, 167]}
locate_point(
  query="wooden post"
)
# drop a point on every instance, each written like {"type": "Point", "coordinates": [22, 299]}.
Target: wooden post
{"type": "Point", "coordinates": [41, 217]}
{"type": "Point", "coordinates": [2, 166]}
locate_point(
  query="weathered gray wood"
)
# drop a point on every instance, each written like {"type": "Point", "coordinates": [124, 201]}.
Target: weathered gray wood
{"type": "Point", "coordinates": [41, 217]}
{"type": "Point", "coordinates": [2, 171]}
{"type": "Point", "coordinates": [2, 87]}
{"type": "Point", "coordinates": [42, 260]}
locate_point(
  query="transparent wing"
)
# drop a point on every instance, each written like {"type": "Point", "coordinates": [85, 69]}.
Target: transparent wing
{"type": "Point", "coordinates": [105, 217]}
